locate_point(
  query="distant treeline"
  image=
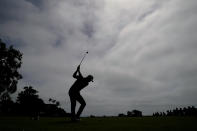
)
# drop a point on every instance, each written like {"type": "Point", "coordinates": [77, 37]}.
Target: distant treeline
{"type": "Point", "coordinates": [186, 111]}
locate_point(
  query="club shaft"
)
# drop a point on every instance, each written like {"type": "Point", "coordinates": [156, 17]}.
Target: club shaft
{"type": "Point", "coordinates": [82, 58]}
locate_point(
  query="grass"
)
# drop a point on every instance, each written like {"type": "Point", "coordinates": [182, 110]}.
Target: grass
{"type": "Point", "coordinates": [100, 124]}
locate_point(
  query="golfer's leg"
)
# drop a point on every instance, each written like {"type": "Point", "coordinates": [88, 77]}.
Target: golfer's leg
{"type": "Point", "coordinates": [73, 105]}
{"type": "Point", "coordinates": [83, 104]}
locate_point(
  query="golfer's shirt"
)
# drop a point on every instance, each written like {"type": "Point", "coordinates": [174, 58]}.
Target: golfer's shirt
{"type": "Point", "coordinates": [79, 84]}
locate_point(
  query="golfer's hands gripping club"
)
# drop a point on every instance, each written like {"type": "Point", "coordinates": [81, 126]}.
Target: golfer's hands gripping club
{"type": "Point", "coordinates": [78, 68]}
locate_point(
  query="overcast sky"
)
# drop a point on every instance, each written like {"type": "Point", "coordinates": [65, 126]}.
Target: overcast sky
{"type": "Point", "coordinates": [142, 53]}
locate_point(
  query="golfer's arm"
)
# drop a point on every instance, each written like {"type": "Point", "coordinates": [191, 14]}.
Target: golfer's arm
{"type": "Point", "coordinates": [79, 73]}
{"type": "Point", "coordinates": [75, 74]}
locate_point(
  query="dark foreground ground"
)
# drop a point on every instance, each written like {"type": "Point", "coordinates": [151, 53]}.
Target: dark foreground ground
{"type": "Point", "coordinates": [100, 124]}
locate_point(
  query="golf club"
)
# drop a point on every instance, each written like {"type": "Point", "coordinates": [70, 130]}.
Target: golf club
{"type": "Point", "coordinates": [83, 57]}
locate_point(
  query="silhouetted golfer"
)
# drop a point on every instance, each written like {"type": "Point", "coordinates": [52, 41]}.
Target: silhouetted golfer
{"type": "Point", "coordinates": [74, 92]}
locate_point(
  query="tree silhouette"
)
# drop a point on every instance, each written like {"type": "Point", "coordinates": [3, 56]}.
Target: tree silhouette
{"type": "Point", "coordinates": [52, 109]}
{"type": "Point", "coordinates": [134, 113]}
{"type": "Point", "coordinates": [6, 105]}
{"type": "Point", "coordinates": [53, 101]}
{"type": "Point", "coordinates": [10, 62]}
{"type": "Point", "coordinates": [29, 101]}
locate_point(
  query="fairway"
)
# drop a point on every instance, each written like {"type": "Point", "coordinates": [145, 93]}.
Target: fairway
{"type": "Point", "coordinates": [99, 124]}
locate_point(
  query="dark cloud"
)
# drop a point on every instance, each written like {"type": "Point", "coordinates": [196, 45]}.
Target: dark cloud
{"type": "Point", "coordinates": [7, 13]}
{"type": "Point", "coordinates": [38, 3]}
{"type": "Point", "coordinates": [88, 29]}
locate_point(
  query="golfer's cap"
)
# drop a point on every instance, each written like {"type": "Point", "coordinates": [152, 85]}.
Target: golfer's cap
{"type": "Point", "coordinates": [90, 77]}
